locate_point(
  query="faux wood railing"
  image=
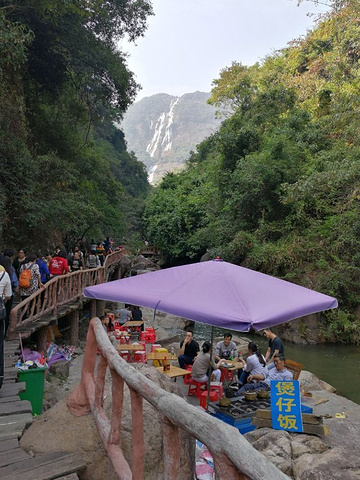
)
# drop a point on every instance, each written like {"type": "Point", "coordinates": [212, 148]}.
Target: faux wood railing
{"type": "Point", "coordinates": [57, 292]}
{"type": "Point", "coordinates": [234, 458]}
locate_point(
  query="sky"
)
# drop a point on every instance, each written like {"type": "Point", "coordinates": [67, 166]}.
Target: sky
{"type": "Point", "coordinates": [188, 42]}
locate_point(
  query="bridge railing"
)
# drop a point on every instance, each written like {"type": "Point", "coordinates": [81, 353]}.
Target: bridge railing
{"type": "Point", "coordinates": [234, 458]}
{"type": "Point", "coordinates": [57, 292]}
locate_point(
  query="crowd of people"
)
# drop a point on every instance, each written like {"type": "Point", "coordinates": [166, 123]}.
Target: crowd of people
{"type": "Point", "coordinates": [256, 372]}
{"type": "Point", "coordinates": [23, 274]}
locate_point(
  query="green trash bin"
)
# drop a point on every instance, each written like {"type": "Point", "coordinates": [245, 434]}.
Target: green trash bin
{"type": "Point", "coordinates": [34, 379]}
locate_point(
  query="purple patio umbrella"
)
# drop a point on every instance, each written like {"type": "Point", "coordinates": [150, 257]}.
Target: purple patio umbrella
{"type": "Point", "coordinates": [217, 293]}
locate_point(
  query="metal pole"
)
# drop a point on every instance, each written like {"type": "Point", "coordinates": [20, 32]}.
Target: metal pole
{"type": "Point", "coordinates": [209, 371]}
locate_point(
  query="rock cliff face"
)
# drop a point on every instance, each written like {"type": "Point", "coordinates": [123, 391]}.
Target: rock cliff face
{"type": "Point", "coordinates": [162, 130]}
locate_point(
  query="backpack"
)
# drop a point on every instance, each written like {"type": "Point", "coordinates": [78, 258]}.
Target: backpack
{"type": "Point", "coordinates": [25, 278]}
{"type": "Point", "coordinates": [92, 261]}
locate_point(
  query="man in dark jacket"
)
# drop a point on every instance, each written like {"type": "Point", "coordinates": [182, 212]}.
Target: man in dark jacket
{"type": "Point", "coordinates": [189, 348]}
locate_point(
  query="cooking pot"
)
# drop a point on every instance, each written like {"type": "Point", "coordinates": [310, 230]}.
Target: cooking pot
{"type": "Point", "coordinates": [225, 402]}
{"type": "Point", "coordinates": [263, 393]}
{"type": "Point", "coordinates": [250, 396]}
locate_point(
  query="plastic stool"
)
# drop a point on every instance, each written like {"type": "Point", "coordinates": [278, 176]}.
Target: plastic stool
{"type": "Point", "coordinates": [218, 388]}
{"type": "Point", "coordinates": [154, 347]}
{"type": "Point", "coordinates": [187, 378]}
{"type": "Point", "coordinates": [213, 397]}
{"type": "Point", "coordinates": [226, 374]}
{"type": "Point", "coordinates": [125, 355]}
{"type": "Point", "coordinates": [150, 337]}
{"type": "Point", "coordinates": [140, 357]}
{"type": "Point", "coordinates": [196, 388]}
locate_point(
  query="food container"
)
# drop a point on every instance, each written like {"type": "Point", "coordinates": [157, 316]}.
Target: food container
{"type": "Point", "coordinates": [250, 396]}
{"type": "Point", "coordinates": [262, 393]}
{"type": "Point", "coordinates": [225, 402]}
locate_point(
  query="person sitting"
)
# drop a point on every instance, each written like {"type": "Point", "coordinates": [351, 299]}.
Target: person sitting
{"type": "Point", "coordinates": [109, 329]}
{"type": "Point", "coordinates": [202, 363]}
{"type": "Point", "coordinates": [124, 315]}
{"type": "Point", "coordinates": [261, 381]}
{"type": "Point", "coordinates": [226, 348]}
{"type": "Point", "coordinates": [254, 365]}
{"type": "Point", "coordinates": [189, 348]}
{"type": "Point", "coordinates": [275, 346]}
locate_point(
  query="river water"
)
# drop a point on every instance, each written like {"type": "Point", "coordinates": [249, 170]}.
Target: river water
{"type": "Point", "coordinates": [336, 364]}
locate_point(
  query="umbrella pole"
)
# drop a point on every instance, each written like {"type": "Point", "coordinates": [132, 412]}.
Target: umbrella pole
{"type": "Point", "coordinates": [209, 371]}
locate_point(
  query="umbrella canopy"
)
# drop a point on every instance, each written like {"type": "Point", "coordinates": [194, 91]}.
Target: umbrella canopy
{"type": "Point", "coordinates": [216, 293]}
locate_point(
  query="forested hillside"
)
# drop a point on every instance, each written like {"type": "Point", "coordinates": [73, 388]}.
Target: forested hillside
{"type": "Point", "coordinates": [277, 188]}
{"type": "Point", "coordinates": [65, 170]}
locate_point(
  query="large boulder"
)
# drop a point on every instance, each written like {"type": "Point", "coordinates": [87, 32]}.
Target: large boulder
{"type": "Point", "coordinates": [58, 430]}
{"type": "Point", "coordinates": [335, 464]}
{"type": "Point", "coordinates": [311, 382]}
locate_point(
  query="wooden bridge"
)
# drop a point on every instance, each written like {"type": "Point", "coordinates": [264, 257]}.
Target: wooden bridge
{"type": "Point", "coordinates": [61, 296]}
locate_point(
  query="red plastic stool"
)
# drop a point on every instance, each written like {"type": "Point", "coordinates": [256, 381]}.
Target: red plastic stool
{"type": "Point", "coordinates": [125, 355]}
{"type": "Point", "coordinates": [154, 347]}
{"type": "Point", "coordinates": [218, 388]}
{"type": "Point", "coordinates": [196, 388]}
{"type": "Point", "coordinates": [213, 397]}
{"type": "Point", "coordinates": [187, 378]}
{"type": "Point", "coordinates": [140, 357]}
{"type": "Point", "coordinates": [226, 374]}
{"type": "Point", "coordinates": [125, 339]}
{"type": "Point", "coordinates": [150, 337]}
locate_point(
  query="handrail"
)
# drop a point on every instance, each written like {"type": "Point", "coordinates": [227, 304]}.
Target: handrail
{"type": "Point", "coordinates": [234, 457]}
{"type": "Point", "coordinates": [57, 292]}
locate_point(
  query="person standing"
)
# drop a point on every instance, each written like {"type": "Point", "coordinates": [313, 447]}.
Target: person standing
{"type": "Point", "coordinates": [189, 348]}
{"type": "Point", "coordinates": [75, 262]}
{"type": "Point", "coordinates": [20, 260]}
{"type": "Point", "coordinates": [93, 260]}
{"type": "Point", "coordinates": [34, 282]}
{"type": "Point", "coordinates": [5, 261]}
{"type": "Point", "coordinates": [276, 346]}
{"type": "Point", "coordinates": [100, 252]}
{"type": "Point", "coordinates": [58, 264]}
{"type": "Point", "coordinates": [5, 295]}
{"type": "Point", "coordinates": [44, 271]}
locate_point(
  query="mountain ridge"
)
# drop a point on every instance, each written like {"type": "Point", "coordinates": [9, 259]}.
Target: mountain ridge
{"type": "Point", "coordinates": [163, 129]}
